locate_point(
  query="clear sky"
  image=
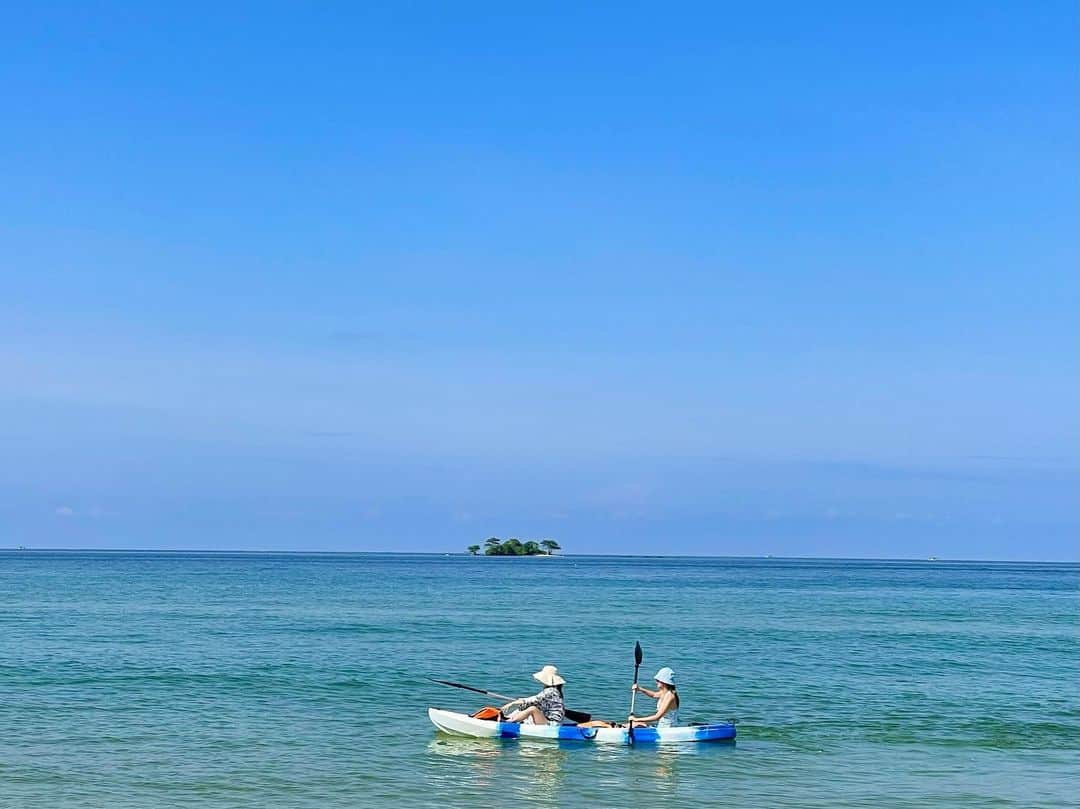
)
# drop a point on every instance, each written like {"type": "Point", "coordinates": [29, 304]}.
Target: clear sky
{"type": "Point", "coordinates": [719, 278]}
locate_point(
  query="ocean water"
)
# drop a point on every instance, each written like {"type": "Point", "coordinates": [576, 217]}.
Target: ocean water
{"type": "Point", "coordinates": [244, 680]}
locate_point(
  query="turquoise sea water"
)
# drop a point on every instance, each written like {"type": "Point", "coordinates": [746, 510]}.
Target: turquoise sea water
{"type": "Point", "coordinates": [131, 679]}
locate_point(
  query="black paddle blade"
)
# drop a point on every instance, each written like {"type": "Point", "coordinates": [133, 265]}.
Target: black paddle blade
{"type": "Point", "coordinates": [637, 653]}
{"type": "Point", "coordinates": [577, 716]}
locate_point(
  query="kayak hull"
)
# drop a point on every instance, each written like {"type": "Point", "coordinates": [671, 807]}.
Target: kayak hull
{"type": "Point", "coordinates": [458, 724]}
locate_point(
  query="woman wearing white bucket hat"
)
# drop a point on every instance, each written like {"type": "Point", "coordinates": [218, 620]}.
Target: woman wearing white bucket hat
{"type": "Point", "coordinates": [667, 700]}
{"type": "Point", "coordinates": [544, 708]}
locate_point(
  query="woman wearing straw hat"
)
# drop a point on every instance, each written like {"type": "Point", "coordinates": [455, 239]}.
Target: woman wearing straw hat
{"type": "Point", "coordinates": [667, 700]}
{"type": "Point", "coordinates": [544, 708]}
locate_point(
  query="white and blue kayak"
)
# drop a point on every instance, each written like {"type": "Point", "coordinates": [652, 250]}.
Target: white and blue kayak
{"type": "Point", "coordinates": [459, 724]}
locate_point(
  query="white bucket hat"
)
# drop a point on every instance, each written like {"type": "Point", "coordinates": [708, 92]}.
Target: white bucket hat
{"type": "Point", "coordinates": [549, 675]}
{"type": "Point", "coordinates": [666, 675]}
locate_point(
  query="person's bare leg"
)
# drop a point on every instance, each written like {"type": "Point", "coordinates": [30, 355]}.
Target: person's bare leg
{"type": "Point", "coordinates": [532, 712]}
{"type": "Point", "coordinates": [537, 715]}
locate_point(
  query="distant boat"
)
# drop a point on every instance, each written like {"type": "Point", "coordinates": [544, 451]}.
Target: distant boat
{"type": "Point", "coordinates": [931, 558]}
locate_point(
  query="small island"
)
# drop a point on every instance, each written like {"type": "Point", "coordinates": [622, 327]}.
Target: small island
{"type": "Point", "coordinates": [494, 546]}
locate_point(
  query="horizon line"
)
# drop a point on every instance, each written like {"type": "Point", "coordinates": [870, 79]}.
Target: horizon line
{"type": "Point", "coordinates": [263, 551]}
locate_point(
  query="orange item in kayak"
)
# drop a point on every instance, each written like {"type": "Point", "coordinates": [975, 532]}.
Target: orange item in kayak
{"type": "Point", "coordinates": [487, 712]}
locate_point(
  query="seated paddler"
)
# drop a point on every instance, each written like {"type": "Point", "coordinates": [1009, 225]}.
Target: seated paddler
{"type": "Point", "coordinates": [667, 700]}
{"type": "Point", "coordinates": [545, 708]}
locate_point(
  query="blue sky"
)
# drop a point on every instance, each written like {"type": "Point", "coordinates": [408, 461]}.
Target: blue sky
{"type": "Point", "coordinates": [674, 278]}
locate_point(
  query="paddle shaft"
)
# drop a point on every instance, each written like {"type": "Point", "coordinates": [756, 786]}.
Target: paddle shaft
{"type": "Point", "coordinates": [470, 688]}
{"type": "Point", "coordinates": [633, 694]}
{"type": "Point", "coordinates": [573, 716]}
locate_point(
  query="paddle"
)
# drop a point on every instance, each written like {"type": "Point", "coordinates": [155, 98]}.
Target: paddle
{"type": "Point", "coordinates": [573, 716]}
{"type": "Point", "coordinates": [637, 665]}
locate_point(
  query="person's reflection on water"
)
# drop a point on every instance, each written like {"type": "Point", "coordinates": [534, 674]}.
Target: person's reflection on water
{"type": "Point", "coordinates": [673, 758]}
{"type": "Point", "coordinates": [667, 761]}
{"type": "Point", "coordinates": [543, 764]}
{"type": "Point", "coordinates": [516, 769]}
{"type": "Point", "coordinates": [481, 755]}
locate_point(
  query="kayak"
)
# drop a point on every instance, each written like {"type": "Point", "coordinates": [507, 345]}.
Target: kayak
{"type": "Point", "coordinates": [459, 724]}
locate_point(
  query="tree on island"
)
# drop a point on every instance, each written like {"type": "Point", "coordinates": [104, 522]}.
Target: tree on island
{"type": "Point", "coordinates": [515, 547]}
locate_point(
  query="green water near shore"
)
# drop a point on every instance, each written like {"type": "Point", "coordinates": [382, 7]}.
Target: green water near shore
{"type": "Point", "coordinates": [299, 680]}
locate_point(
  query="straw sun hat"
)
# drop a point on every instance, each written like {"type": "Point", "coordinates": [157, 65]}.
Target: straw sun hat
{"type": "Point", "coordinates": [549, 675]}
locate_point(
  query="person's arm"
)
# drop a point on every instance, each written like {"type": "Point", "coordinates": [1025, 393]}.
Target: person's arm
{"type": "Point", "coordinates": [641, 689]}
{"type": "Point", "coordinates": [524, 702]}
{"type": "Point", "coordinates": [662, 708]}
{"type": "Point", "coordinates": [506, 708]}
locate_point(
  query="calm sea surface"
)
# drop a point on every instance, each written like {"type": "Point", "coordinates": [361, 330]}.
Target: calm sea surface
{"type": "Point", "coordinates": [139, 679]}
